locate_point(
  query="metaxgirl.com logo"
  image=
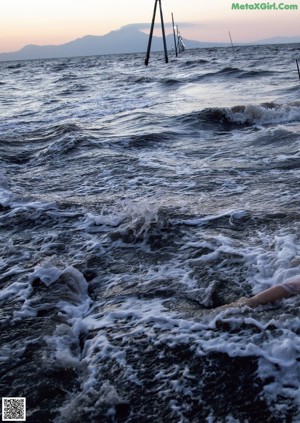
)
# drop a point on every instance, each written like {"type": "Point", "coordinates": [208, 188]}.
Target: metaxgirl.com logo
{"type": "Point", "coordinates": [263, 6]}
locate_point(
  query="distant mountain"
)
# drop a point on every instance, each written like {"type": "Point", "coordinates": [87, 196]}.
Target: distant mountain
{"type": "Point", "coordinates": [279, 40]}
{"type": "Point", "coordinates": [128, 39]}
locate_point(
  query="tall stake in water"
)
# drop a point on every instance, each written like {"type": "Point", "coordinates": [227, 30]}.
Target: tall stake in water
{"type": "Point", "coordinates": [151, 33]}
{"type": "Point", "coordinates": [231, 43]}
{"type": "Point", "coordinates": [298, 68]}
{"type": "Point", "coordinates": [175, 42]}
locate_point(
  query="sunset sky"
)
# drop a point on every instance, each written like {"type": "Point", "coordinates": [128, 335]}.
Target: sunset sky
{"type": "Point", "coordinates": [44, 22]}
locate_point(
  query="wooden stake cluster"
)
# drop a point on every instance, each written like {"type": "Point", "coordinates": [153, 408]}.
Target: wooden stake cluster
{"type": "Point", "coordinates": [151, 33]}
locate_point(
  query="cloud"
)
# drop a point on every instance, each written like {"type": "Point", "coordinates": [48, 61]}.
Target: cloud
{"type": "Point", "coordinates": [168, 25]}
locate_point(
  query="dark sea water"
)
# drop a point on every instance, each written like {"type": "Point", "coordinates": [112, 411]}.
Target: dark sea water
{"type": "Point", "coordinates": [133, 201]}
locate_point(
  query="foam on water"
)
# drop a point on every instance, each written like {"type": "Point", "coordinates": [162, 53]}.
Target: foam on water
{"type": "Point", "coordinates": [5, 194]}
{"type": "Point", "coordinates": [271, 339]}
{"type": "Point", "coordinates": [266, 114]}
{"type": "Point", "coordinates": [72, 305]}
{"type": "Point", "coordinates": [276, 350]}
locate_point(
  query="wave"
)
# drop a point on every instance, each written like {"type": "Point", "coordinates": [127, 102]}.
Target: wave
{"type": "Point", "coordinates": [266, 113]}
{"type": "Point", "coordinates": [172, 81]}
{"type": "Point", "coordinates": [67, 77]}
{"type": "Point", "coordinates": [232, 72]}
{"type": "Point", "coordinates": [58, 67]}
{"type": "Point", "coordinates": [141, 223]}
{"type": "Point", "coordinates": [278, 136]}
{"type": "Point", "coordinates": [149, 139]}
{"type": "Point", "coordinates": [15, 66]}
{"type": "Point", "coordinates": [61, 140]}
{"type": "Point", "coordinates": [225, 72]}
{"type": "Point", "coordinates": [59, 130]}
{"type": "Point", "coordinates": [21, 149]}
{"type": "Point", "coordinates": [76, 88]}
{"type": "Point", "coordinates": [255, 73]}
{"type": "Point", "coordinates": [139, 79]}
{"type": "Point", "coordinates": [193, 63]}
{"type": "Point", "coordinates": [244, 115]}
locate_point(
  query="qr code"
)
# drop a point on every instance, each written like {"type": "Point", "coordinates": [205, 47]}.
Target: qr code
{"type": "Point", "coordinates": [13, 409]}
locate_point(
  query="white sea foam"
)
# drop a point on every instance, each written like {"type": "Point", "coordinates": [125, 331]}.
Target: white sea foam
{"type": "Point", "coordinates": [273, 348]}
{"type": "Point", "coordinates": [4, 182]}
{"type": "Point", "coordinates": [73, 308]}
{"type": "Point", "coordinates": [260, 114]}
{"type": "Point", "coordinates": [273, 341]}
{"type": "Point", "coordinates": [91, 220]}
{"type": "Point", "coordinates": [137, 215]}
{"type": "Point", "coordinates": [47, 273]}
{"type": "Point", "coordinates": [200, 221]}
{"type": "Point", "coordinates": [5, 197]}
{"type": "Point", "coordinates": [17, 206]}
{"type": "Point", "coordinates": [18, 290]}
{"type": "Point", "coordinates": [5, 193]}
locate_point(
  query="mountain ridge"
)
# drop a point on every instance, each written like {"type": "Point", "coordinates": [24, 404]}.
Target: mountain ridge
{"type": "Point", "coordinates": [127, 39]}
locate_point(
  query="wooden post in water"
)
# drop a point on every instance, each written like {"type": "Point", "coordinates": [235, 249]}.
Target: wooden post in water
{"type": "Point", "coordinates": [298, 69]}
{"type": "Point", "coordinates": [175, 42]}
{"type": "Point", "coordinates": [231, 43]}
{"type": "Point", "coordinates": [163, 32]}
{"type": "Point", "coordinates": [151, 33]}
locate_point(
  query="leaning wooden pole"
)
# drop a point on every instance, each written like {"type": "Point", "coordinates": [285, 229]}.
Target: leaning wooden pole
{"type": "Point", "coordinates": [163, 32]}
{"type": "Point", "coordinates": [151, 35]}
{"type": "Point", "coordinates": [174, 34]}
{"type": "Point", "coordinates": [298, 69]}
{"type": "Point", "coordinates": [231, 43]}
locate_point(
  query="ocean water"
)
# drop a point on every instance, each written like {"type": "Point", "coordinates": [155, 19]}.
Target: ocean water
{"type": "Point", "coordinates": [134, 201]}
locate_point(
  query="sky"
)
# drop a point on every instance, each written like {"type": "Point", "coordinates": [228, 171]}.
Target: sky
{"type": "Point", "coordinates": [45, 22]}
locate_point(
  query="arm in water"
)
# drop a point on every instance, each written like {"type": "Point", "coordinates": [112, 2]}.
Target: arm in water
{"type": "Point", "coordinates": [288, 288]}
